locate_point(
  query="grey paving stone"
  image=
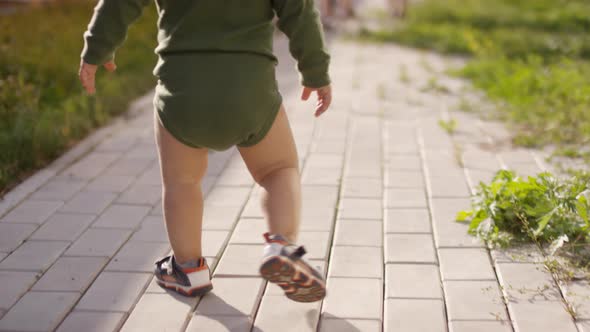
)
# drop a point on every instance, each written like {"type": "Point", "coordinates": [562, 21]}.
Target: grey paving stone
{"type": "Point", "coordinates": [527, 282]}
{"type": "Point", "coordinates": [98, 242]}
{"type": "Point", "coordinates": [409, 248]}
{"type": "Point", "coordinates": [320, 223]}
{"type": "Point", "coordinates": [59, 189]}
{"type": "Point", "coordinates": [477, 159]}
{"type": "Point", "coordinates": [13, 285]}
{"type": "Point", "coordinates": [480, 326]}
{"type": "Point", "coordinates": [152, 229]}
{"type": "Point", "coordinates": [110, 183]}
{"type": "Point", "coordinates": [405, 162]}
{"type": "Point", "coordinates": [159, 312]}
{"type": "Point", "coordinates": [63, 226]}
{"type": "Point", "coordinates": [242, 260]}
{"type": "Point", "coordinates": [34, 256]}
{"type": "Point", "coordinates": [114, 291]}
{"type": "Point", "coordinates": [88, 202]}
{"type": "Point", "coordinates": [38, 311]}
{"type": "Point", "coordinates": [448, 186]}
{"type": "Point", "coordinates": [413, 281]}
{"type": "Point", "coordinates": [220, 217]}
{"type": "Point", "coordinates": [577, 293]}
{"type": "Point", "coordinates": [325, 160]}
{"type": "Point", "coordinates": [249, 231]}
{"type": "Point", "coordinates": [474, 300]}
{"type": "Point", "coordinates": [367, 304]}
{"type": "Point", "coordinates": [235, 177]}
{"type": "Point", "coordinates": [525, 170]}
{"type": "Point", "coordinates": [213, 241]}
{"type": "Point", "coordinates": [414, 315]}
{"type": "Point", "coordinates": [475, 177]}
{"type": "Point", "coordinates": [404, 179]}
{"type": "Point", "coordinates": [126, 166]}
{"type": "Point", "coordinates": [541, 316]}
{"type": "Point", "coordinates": [32, 212]}
{"type": "Point", "coordinates": [358, 232]}
{"type": "Point", "coordinates": [138, 256]}
{"type": "Point", "coordinates": [583, 325]}
{"type": "Point", "coordinates": [465, 264]}
{"type": "Point", "coordinates": [332, 324]}
{"type": "Point", "coordinates": [322, 195]}
{"type": "Point", "coordinates": [448, 232]}
{"type": "Point", "coordinates": [362, 188]}
{"type": "Point", "coordinates": [367, 168]}
{"type": "Point", "coordinates": [12, 235]}
{"type": "Point", "coordinates": [405, 198]}
{"type": "Point", "coordinates": [519, 254]}
{"type": "Point", "coordinates": [320, 176]}
{"type": "Point", "coordinates": [361, 208]}
{"type": "Point", "coordinates": [91, 165]}
{"type": "Point", "coordinates": [361, 262]}
{"type": "Point", "coordinates": [253, 208]}
{"type": "Point", "coordinates": [278, 313]}
{"type": "Point", "coordinates": [92, 322]}
{"type": "Point", "coordinates": [71, 274]}
{"type": "Point", "coordinates": [141, 194]}
{"type": "Point", "coordinates": [122, 216]}
{"type": "Point", "coordinates": [219, 324]}
{"type": "Point", "coordinates": [316, 244]}
{"type": "Point", "coordinates": [227, 196]}
{"type": "Point", "coordinates": [232, 297]}
{"type": "Point", "coordinates": [407, 221]}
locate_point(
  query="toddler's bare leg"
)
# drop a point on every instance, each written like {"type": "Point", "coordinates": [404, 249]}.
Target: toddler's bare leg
{"type": "Point", "coordinates": [183, 168]}
{"type": "Point", "coordinates": [274, 165]}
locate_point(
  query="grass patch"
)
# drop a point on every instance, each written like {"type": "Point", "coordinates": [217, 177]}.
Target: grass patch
{"type": "Point", "coordinates": [530, 56]}
{"type": "Point", "coordinates": [43, 109]}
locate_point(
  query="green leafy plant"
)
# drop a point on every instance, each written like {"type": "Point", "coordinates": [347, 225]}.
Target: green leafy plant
{"type": "Point", "coordinates": [449, 126]}
{"type": "Point", "coordinates": [543, 209]}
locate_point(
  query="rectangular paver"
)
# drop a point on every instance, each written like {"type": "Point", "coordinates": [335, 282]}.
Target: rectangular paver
{"type": "Point", "coordinates": [409, 248]}
{"type": "Point", "coordinates": [361, 208]}
{"type": "Point", "coordinates": [34, 256]}
{"type": "Point", "coordinates": [474, 300]}
{"type": "Point", "coordinates": [362, 188]}
{"type": "Point", "coordinates": [12, 235]}
{"type": "Point", "coordinates": [89, 202]}
{"type": "Point", "coordinates": [480, 326]}
{"type": "Point", "coordinates": [72, 274]}
{"type": "Point", "coordinates": [405, 198]}
{"type": "Point", "coordinates": [63, 226]}
{"type": "Point", "coordinates": [415, 315]}
{"type": "Point", "coordinates": [159, 312]}
{"type": "Point", "coordinates": [465, 264]}
{"type": "Point", "coordinates": [527, 282]}
{"type": "Point", "coordinates": [98, 242]}
{"type": "Point", "coordinates": [278, 313]}
{"type": "Point", "coordinates": [122, 216]}
{"type": "Point", "coordinates": [32, 212]}
{"type": "Point", "coordinates": [92, 322]}
{"type": "Point", "coordinates": [114, 291]}
{"type": "Point", "coordinates": [38, 311]}
{"type": "Point", "coordinates": [407, 221]}
{"type": "Point", "coordinates": [404, 179]}
{"type": "Point", "coordinates": [366, 305]}
{"type": "Point", "coordinates": [13, 284]}
{"type": "Point", "coordinates": [330, 324]}
{"type": "Point", "coordinates": [242, 260]}
{"type": "Point", "coordinates": [138, 256]}
{"type": "Point", "coordinates": [359, 232]}
{"type": "Point", "coordinates": [219, 323]}
{"type": "Point", "coordinates": [413, 281]}
{"type": "Point", "coordinates": [362, 262]}
{"type": "Point", "coordinates": [541, 316]}
{"type": "Point", "coordinates": [232, 297]}
{"type": "Point", "coordinates": [110, 183]}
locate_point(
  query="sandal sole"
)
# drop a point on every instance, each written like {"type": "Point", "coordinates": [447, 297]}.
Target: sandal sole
{"type": "Point", "coordinates": [299, 285]}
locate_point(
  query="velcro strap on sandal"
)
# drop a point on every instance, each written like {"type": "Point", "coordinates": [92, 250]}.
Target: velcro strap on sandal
{"type": "Point", "coordinates": [298, 253]}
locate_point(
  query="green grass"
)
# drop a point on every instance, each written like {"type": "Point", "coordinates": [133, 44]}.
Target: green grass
{"type": "Point", "coordinates": [530, 56]}
{"type": "Point", "coordinates": [43, 109]}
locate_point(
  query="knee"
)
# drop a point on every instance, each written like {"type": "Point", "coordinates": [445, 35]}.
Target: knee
{"type": "Point", "coordinates": [261, 175]}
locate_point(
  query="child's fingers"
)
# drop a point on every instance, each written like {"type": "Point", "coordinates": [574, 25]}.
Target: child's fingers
{"type": "Point", "coordinates": [110, 66]}
{"type": "Point", "coordinates": [87, 74]}
{"type": "Point", "coordinates": [306, 93]}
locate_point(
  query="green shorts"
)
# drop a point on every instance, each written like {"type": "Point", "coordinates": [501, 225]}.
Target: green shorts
{"type": "Point", "coordinates": [217, 100]}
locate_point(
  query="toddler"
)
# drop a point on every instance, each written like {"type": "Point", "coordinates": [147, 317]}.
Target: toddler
{"type": "Point", "coordinates": [216, 89]}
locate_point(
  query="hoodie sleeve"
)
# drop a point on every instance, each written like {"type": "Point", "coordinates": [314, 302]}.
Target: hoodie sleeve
{"type": "Point", "coordinates": [108, 28]}
{"type": "Point", "coordinates": [299, 20]}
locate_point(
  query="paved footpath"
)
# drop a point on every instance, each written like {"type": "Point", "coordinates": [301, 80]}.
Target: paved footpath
{"type": "Point", "coordinates": [382, 182]}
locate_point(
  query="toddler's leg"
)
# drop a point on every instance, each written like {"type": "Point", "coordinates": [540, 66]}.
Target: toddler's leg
{"type": "Point", "coordinates": [274, 165]}
{"type": "Point", "coordinates": [183, 169]}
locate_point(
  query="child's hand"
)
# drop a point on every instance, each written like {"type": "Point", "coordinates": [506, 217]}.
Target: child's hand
{"type": "Point", "coordinates": [324, 98]}
{"type": "Point", "coordinates": [88, 72]}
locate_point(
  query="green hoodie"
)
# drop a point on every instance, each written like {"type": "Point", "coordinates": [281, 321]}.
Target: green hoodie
{"type": "Point", "coordinates": [227, 26]}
